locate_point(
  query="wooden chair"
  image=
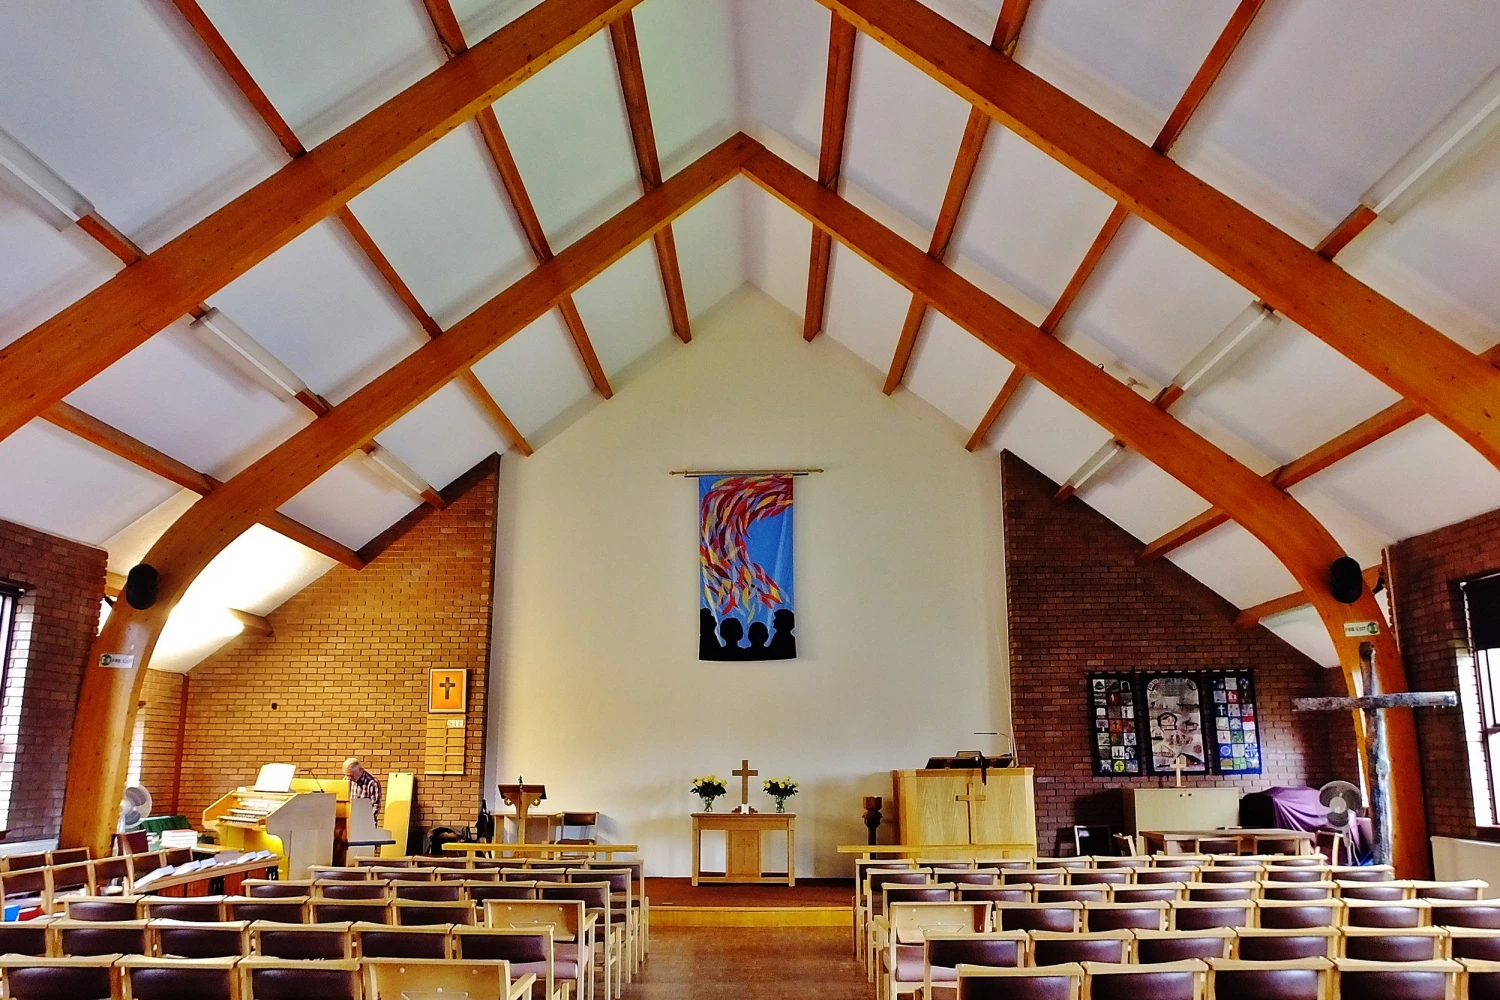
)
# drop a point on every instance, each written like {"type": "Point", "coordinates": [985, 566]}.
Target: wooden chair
{"type": "Point", "coordinates": [1148, 916]}
{"type": "Point", "coordinates": [1363, 873]}
{"type": "Point", "coordinates": [869, 881]}
{"type": "Point", "coordinates": [572, 929]}
{"type": "Point", "coordinates": [387, 941]}
{"type": "Point", "coordinates": [1056, 948]}
{"type": "Point", "coordinates": [1464, 913]}
{"type": "Point", "coordinates": [902, 931]}
{"type": "Point", "coordinates": [30, 861]}
{"type": "Point", "coordinates": [639, 899]}
{"type": "Point", "coordinates": [68, 855]}
{"type": "Point", "coordinates": [1038, 916]}
{"type": "Point", "coordinates": [1166, 876]}
{"type": "Point", "coordinates": [1072, 893]}
{"type": "Point", "coordinates": [95, 977]}
{"type": "Point", "coordinates": [1260, 944]}
{"type": "Point", "coordinates": [1284, 914]}
{"type": "Point", "coordinates": [995, 893]}
{"type": "Point", "coordinates": [1250, 874]}
{"type": "Point", "coordinates": [890, 894]}
{"type": "Point", "coordinates": [411, 913]}
{"type": "Point", "coordinates": [1298, 890]}
{"type": "Point", "coordinates": [400, 978]}
{"type": "Point", "coordinates": [329, 873]}
{"type": "Point", "coordinates": [1481, 979]}
{"type": "Point", "coordinates": [337, 911]}
{"type": "Point", "coordinates": [1131, 861]}
{"type": "Point", "coordinates": [1479, 943]}
{"type": "Point", "coordinates": [479, 892]}
{"type": "Point", "coordinates": [1468, 889]}
{"type": "Point", "coordinates": [1431, 980]}
{"type": "Point", "coordinates": [609, 936]}
{"type": "Point", "coordinates": [1389, 891]}
{"type": "Point", "coordinates": [66, 881]}
{"type": "Point", "coordinates": [1407, 944]}
{"type": "Point", "coordinates": [1295, 979]}
{"type": "Point", "coordinates": [1166, 892]}
{"type": "Point", "coordinates": [1101, 876]}
{"type": "Point", "coordinates": [1167, 981]}
{"type": "Point", "coordinates": [84, 938]}
{"type": "Point", "coordinates": [1191, 916]}
{"type": "Point", "coordinates": [427, 892]}
{"type": "Point", "coordinates": [986, 876]}
{"type": "Point", "coordinates": [943, 953]}
{"type": "Point", "coordinates": [622, 908]}
{"type": "Point", "coordinates": [1219, 892]}
{"type": "Point", "coordinates": [199, 909]}
{"type": "Point", "coordinates": [263, 978]}
{"type": "Point", "coordinates": [26, 937]}
{"type": "Point", "coordinates": [112, 876]}
{"type": "Point", "coordinates": [146, 978]}
{"type": "Point", "coordinates": [338, 889]}
{"type": "Point", "coordinates": [190, 939]}
{"type": "Point", "coordinates": [1080, 861]}
{"type": "Point", "coordinates": [25, 888]}
{"type": "Point", "coordinates": [1382, 913]}
{"type": "Point", "coordinates": [261, 888]}
{"type": "Point", "coordinates": [1055, 982]}
{"type": "Point", "coordinates": [1159, 947]}
{"type": "Point", "coordinates": [528, 950]}
{"type": "Point", "coordinates": [1296, 873]}
{"type": "Point", "coordinates": [101, 907]}
{"type": "Point", "coordinates": [281, 910]}
{"type": "Point", "coordinates": [302, 942]}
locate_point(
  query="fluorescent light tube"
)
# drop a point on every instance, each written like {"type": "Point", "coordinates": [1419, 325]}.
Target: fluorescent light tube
{"type": "Point", "coordinates": [398, 472]}
{"type": "Point", "coordinates": [1224, 350]}
{"type": "Point", "coordinates": [1096, 464]}
{"type": "Point", "coordinates": [33, 184]}
{"type": "Point", "coordinates": [241, 350]}
{"type": "Point", "coordinates": [1466, 126]}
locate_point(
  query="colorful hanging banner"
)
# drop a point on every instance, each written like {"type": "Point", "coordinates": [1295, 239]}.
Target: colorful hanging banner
{"type": "Point", "coordinates": [746, 606]}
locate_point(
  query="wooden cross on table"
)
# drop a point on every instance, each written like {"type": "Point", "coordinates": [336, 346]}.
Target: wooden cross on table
{"type": "Point", "coordinates": [973, 797]}
{"type": "Point", "coordinates": [1376, 749]}
{"type": "Point", "coordinates": [745, 774]}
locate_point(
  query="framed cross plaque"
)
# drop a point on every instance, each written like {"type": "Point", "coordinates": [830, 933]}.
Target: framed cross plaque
{"type": "Point", "coordinates": [447, 690]}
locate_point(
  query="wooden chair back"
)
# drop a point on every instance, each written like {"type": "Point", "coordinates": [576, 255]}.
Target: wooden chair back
{"type": "Point", "coordinates": [95, 977]}
{"type": "Point", "coordinates": [1148, 916]}
{"type": "Point", "coordinates": [1166, 981]}
{"type": "Point", "coordinates": [1380, 944]}
{"type": "Point", "coordinates": [265, 978]}
{"type": "Point", "coordinates": [1431, 980]}
{"type": "Point", "coordinates": [190, 939]}
{"type": "Point", "coordinates": [400, 978]}
{"type": "Point", "coordinates": [1295, 979]}
{"type": "Point", "coordinates": [302, 942]}
{"type": "Point", "coordinates": [1055, 948]}
{"type": "Point", "coordinates": [1056, 982]}
{"type": "Point", "coordinates": [1258, 944]}
{"type": "Point", "coordinates": [174, 978]}
{"type": "Point", "coordinates": [1157, 947]}
{"type": "Point", "coordinates": [386, 941]}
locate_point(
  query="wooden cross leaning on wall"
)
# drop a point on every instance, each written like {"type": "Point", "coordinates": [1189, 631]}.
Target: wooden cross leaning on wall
{"type": "Point", "coordinates": [1376, 749]}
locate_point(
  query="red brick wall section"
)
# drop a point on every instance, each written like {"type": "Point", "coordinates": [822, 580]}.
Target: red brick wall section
{"type": "Point", "coordinates": [346, 671]}
{"type": "Point", "coordinates": [1425, 570]}
{"type": "Point", "coordinates": [58, 619]}
{"type": "Point", "coordinates": [1080, 601]}
{"type": "Point", "coordinates": [161, 711]}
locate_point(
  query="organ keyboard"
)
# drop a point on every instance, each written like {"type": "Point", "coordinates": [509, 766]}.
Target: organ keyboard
{"type": "Point", "coordinates": [269, 816]}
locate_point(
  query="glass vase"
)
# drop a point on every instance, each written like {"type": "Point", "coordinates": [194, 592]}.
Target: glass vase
{"type": "Point", "coordinates": [781, 803]}
{"type": "Point", "coordinates": [708, 803]}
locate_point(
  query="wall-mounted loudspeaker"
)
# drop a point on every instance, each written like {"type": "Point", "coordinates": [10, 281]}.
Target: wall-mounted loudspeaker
{"type": "Point", "coordinates": [1346, 581]}
{"type": "Point", "coordinates": [140, 587]}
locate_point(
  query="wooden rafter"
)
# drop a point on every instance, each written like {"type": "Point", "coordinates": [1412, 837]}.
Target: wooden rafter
{"type": "Point", "coordinates": [450, 34]}
{"type": "Point", "coordinates": [1408, 355]}
{"type": "Point", "coordinates": [95, 431]}
{"type": "Point", "coordinates": [1297, 539]}
{"type": "Point", "coordinates": [44, 365]}
{"type": "Point", "coordinates": [1208, 73]}
{"type": "Point", "coordinates": [108, 699]}
{"type": "Point", "coordinates": [841, 42]}
{"type": "Point", "coordinates": [643, 137]}
{"type": "Point", "coordinates": [253, 624]}
{"type": "Point", "coordinates": [1251, 617]}
{"type": "Point", "coordinates": [1007, 32]}
{"type": "Point", "coordinates": [203, 26]}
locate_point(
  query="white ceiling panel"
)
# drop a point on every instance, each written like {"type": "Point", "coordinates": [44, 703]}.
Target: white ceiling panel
{"type": "Point", "coordinates": [777, 243]}
{"type": "Point", "coordinates": [1361, 540]}
{"type": "Point", "coordinates": [1304, 630]}
{"type": "Point", "coordinates": [1141, 498]}
{"type": "Point", "coordinates": [44, 270]}
{"type": "Point", "coordinates": [1322, 98]}
{"type": "Point", "coordinates": [130, 544]}
{"type": "Point", "coordinates": [865, 307]}
{"type": "Point", "coordinates": [58, 483]}
{"type": "Point", "coordinates": [123, 102]}
{"type": "Point", "coordinates": [1419, 478]}
{"type": "Point", "coordinates": [1049, 434]}
{"type": "Point", "coordinates": [568, 131]}
{"type": "Point", "coordinates": [181, 398]}
{"type": "Point", "coordinates": [1143, 53]}
{"type": "Point", "coordinates": [903, 133]}
{"type": "Point", "coordinates": [1291, 393]}
{"type": "Point", "coordinates": [322, 309]}
{"type": "Point", "coordinates": [1234, 564]}
{"type": "Point", "coordinates": [444, 437]}
{"type": "Point", "coordinates": [1226, 440]}
{"type": "Point", "coordinates": [954, 372]}
{"type": "Point", "coordinates": [710, 242]}
{"type": "Point", "coordinates": [1028, 219]}
{"type": "Point", "coordinates": [325, 65]}
{"type": "Point", "coordinates": [480, 18]}
{"type": "Point", "coordinates": [625, 310]}
{"type": "Point", "coordinates": [445, 225]}
{"type": "Point", "coordinates": [688, 57]}
{"type": "Point", "coordinates": [1154, 304]}
{"type": "Point", "coordinates": [536, 374]}
{"type": "Point", "coordinates": [350, 503]}
{"type": "Point", "coordinates": [783, 66]}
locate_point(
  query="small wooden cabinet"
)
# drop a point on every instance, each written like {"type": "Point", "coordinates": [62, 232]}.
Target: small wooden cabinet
{"type": "Point", "coordinates": [1171, 809]}
{"type": "Point", "coordinates": [744, 835]}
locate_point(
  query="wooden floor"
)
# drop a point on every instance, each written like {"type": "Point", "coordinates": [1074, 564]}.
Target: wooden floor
{"type": "Point", "coordinates": [749, 963]}
{"type": "Point", "coordinates": [807, 892]}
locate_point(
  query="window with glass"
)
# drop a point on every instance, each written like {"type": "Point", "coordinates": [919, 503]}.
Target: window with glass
{"type": "Point", "coordinates": [1479, 692]}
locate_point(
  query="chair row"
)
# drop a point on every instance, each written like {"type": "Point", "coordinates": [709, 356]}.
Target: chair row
{"type": "Point", "coordinates": [471, 862]}
{"type": "Point", "coordinates": [134, 977]}
{"type": "Point", "coordinates": [41, 859]}
{"type": "Point", "coordinates": [44, 885]}
{"type": "Point", "coordinates": [1167, 892]}
{"type": "Point", "coordinates": [1087, 862]}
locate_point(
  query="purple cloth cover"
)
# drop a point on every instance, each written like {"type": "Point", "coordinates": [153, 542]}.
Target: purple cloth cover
{"type": "Point", "coordinates": [1299, 809]}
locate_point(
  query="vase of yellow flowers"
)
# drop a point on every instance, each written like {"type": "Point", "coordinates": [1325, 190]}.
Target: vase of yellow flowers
{"type": "Point", "coordinates": [708, 788]}
{"type": "Point", "coordinates": [780, 789]}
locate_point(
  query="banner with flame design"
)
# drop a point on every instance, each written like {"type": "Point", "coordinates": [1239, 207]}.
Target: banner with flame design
{"type": "Point", "coordinates": [746, 606]}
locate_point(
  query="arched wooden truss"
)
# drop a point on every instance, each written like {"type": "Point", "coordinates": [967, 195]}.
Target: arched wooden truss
{"type": "Point", "coordinates": [1436, 375]}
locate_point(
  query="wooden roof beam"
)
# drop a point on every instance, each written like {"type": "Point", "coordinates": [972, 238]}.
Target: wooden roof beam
{"type": "Point", "coordinates": [253, 624]}
{"type": "Point", "coordinates": [643, 137]}
{"type": "Point", "coordinates": [1283, 525]}
{"type": "Point", "coordinates": [1411, 357]}
{"type": "Point", "coordinates": [842, 38]}
{"type": "Point", "coordinates": [1208, 73]}
{"type": "Point", "coordinates": [1007, 33]}
{"type": "Point", "coordinates": [451, 35]}
{"type": "Point", "coordinates": [46, 364]}
{"type": "Point", "coordinates": [1251, 617]}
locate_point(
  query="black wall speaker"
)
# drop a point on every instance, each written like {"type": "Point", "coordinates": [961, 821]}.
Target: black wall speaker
{"type": "Point", "coordinates": [140, 587]}
{"type": "Point", "coordinates": [1346, 581]}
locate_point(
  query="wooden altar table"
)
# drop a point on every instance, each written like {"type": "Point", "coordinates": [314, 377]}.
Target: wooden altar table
{"type": "Point", "coordinates": [743, 833]}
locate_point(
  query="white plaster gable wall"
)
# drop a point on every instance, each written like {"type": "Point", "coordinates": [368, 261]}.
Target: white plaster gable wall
{"type": "Point", "coordinates": [597, 689]}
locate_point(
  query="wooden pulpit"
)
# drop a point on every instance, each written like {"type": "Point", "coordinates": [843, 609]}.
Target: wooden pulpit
{"type": "Point", "coordinates": [950, 807]}
{"type": "Point", "coordinates": [521, 798]}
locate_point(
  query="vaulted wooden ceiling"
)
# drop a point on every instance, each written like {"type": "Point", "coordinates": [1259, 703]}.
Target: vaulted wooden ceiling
{"type": "Point", "coordinates": [162, 114]}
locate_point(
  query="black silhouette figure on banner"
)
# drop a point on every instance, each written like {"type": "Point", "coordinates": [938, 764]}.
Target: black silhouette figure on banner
{"type": "Point", "coordinates": [721, 640]}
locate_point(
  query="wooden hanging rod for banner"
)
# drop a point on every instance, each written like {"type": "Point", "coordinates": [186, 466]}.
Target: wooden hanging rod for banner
{"type": "Point", "coordinates": [700, 473]}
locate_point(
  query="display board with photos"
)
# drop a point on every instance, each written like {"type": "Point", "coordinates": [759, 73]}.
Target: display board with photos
{"type": "Point", "coordinates": [1153, 722]}
{"type": "Point", "coordinates": [1112, 701]}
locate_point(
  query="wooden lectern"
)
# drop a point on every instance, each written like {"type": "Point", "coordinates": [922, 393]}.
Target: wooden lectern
{"type": "Point", "coordinates": [954, 807]}
{"type": "Point", "coordinates": [521, 798]}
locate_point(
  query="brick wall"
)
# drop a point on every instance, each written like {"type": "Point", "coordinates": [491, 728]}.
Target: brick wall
{"type": "Point", "coordinates": [56, 622]}
{"type": "Point", "coordinates": [1079, 601]}
{"type": "Point", "coordinates": [346, 671]}
{"type": "Point", "coordinates": [1425, 571]}
{"type": "Point", "coordinates": [160, 716]}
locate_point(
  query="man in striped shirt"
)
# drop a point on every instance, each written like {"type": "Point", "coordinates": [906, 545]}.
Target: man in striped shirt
{"type": "Point", "coordinates": [362, 784]}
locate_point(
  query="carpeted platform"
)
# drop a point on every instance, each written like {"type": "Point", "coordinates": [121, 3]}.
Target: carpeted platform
{"type": "Point", "coordinates": [807, 892]}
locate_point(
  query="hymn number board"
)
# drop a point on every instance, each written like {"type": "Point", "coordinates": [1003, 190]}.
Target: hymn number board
{"type": "Point", "coordinates": [1149, 723]}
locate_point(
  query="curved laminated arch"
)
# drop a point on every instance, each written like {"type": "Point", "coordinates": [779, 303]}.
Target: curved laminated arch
{"type": "Point", "coordinates": [109, 697]}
